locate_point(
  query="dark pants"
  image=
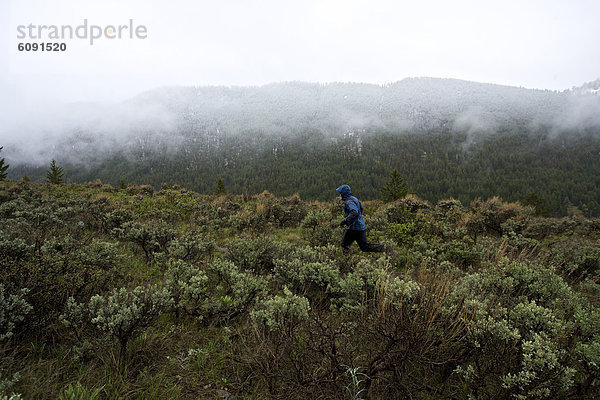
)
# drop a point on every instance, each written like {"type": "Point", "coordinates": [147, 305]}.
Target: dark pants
{"type": "Point", "coordinates": [361, 238]}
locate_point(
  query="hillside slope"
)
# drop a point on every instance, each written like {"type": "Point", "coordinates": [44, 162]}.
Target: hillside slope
{"type": "Point", "coordinates": [447, 137]}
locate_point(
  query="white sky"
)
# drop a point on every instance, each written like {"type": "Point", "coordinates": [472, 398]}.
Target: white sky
{"type": "Point", "coordinates": [546, 44]}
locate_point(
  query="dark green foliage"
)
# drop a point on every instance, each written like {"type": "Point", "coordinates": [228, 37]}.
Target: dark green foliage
{"type": "Point", "coordinates": [321, 228]}
{"type": "Point", "coordinates": [151, 238]}
{"type": "Point", "coordinates": [3, 167]}
{"type": "Point", "coordinates": [288, 211]}
{"type": "Point", "coordinates": [406, 210]}
{"type": "Point", "coordinates": [406, 218]}
{"type": "Point", "coordinates": [192, 247]}
{"type": "Point", "coordinates": [116, 219]}
{"type": "Point", "coordinates": [121, 314]}
{"type": "Point", "coordinates": [395, 189]}
{"type": "Point", "coordinates": [13, 310]}
{"type": "Point", "coordinates": [541, 228]}
{"type": "Point", "coordinates": [47, 249]}
{"type": "Point", "coordinates": [13, 249]}
{"type": "Point", "coordinates": [538, 203]}
{"type": "Point", "coordinates": [524, 313]}
{"type": "Point", "coordinates": [255, 254]}
{"type": "Point", "coordinates": [562, 169]}
{"type": "Point", "coordinates": [62, 269]}
{"type": "Point", "coordinates": [220, 189]}
{"type": "Point", "coordinates": [489, 215]}
{"type": "Point", "coordinates": [171, 294]}
{"type": "Point", "coordinates": [187, 285]}
{"type": "Point", "coordinates": [55, 174]}
{"type": "Point", "coordinates": [309, 272]}
{"type": "Point", "coordinates": [576, 260]}
{"type": "Point", "coordinates": [236, 291]}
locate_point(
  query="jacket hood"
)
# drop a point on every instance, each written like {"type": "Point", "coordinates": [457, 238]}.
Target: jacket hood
{"type": "Point", "coordinates": [345, 191]}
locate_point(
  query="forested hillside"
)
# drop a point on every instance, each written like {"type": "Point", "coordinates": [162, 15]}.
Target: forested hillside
{"type": "Point", "coordinates": [563, 171]}
{"type": "Point", "coordinates": [448, 138]}
{"type": "Point", "coordinates": [137, 293]}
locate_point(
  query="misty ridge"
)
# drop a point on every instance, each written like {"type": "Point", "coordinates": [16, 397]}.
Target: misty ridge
{"type": "Point", "coordinates": [175, 119]}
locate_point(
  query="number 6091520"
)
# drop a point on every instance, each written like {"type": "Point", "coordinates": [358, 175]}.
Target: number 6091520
{"type": "Point", "coordinates": [42, 46]}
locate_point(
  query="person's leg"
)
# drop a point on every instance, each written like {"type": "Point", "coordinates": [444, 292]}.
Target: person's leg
{"type": "Point", "coordinates": [366, 246]}
{"type": "Point", "coordinates": [349, 237]}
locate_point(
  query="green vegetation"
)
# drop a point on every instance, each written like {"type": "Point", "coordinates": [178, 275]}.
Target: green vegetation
{"type": "Point", "coordinates": [220, 189]}
{"type": "Point", "coordinates": [395, 189]}
{"type": "Point", "coordinates": [55, 174]}
{"type": "Point", "coordinates": [3, 167]}
{"type": "Point", "coordinates": [562, 169]}
{"type": "Point", "coordinates": [137, 293]}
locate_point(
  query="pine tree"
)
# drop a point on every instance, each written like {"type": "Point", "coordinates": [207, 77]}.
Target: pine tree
{"type": "Point", "coordinates": [55, 174]}
{"type": "Point", "coordinates": [3, 168]}
{"type": "Point", "coordinates": [220, 187]}
{"type": "Point", "coordinates": [395, 189]}
{"type": "Point", "coordinates": [537, 202]}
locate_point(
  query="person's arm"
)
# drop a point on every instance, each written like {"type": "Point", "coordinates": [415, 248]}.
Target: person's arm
{"type": "Point", "coordinates": [352, 214]}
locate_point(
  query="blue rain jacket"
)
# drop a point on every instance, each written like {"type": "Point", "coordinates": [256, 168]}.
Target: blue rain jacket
{"type": "Point", "coordinates": [352, 209]}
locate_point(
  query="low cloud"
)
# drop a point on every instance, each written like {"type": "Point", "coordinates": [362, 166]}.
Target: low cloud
{"type": "Point", "coordinates": [169, 119]}
{"type": "Point", "coordinates": [580, 114]}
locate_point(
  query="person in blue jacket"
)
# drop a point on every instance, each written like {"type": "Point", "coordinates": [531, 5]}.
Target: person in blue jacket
{"type": "Point", "coordinates": [357, 230]}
